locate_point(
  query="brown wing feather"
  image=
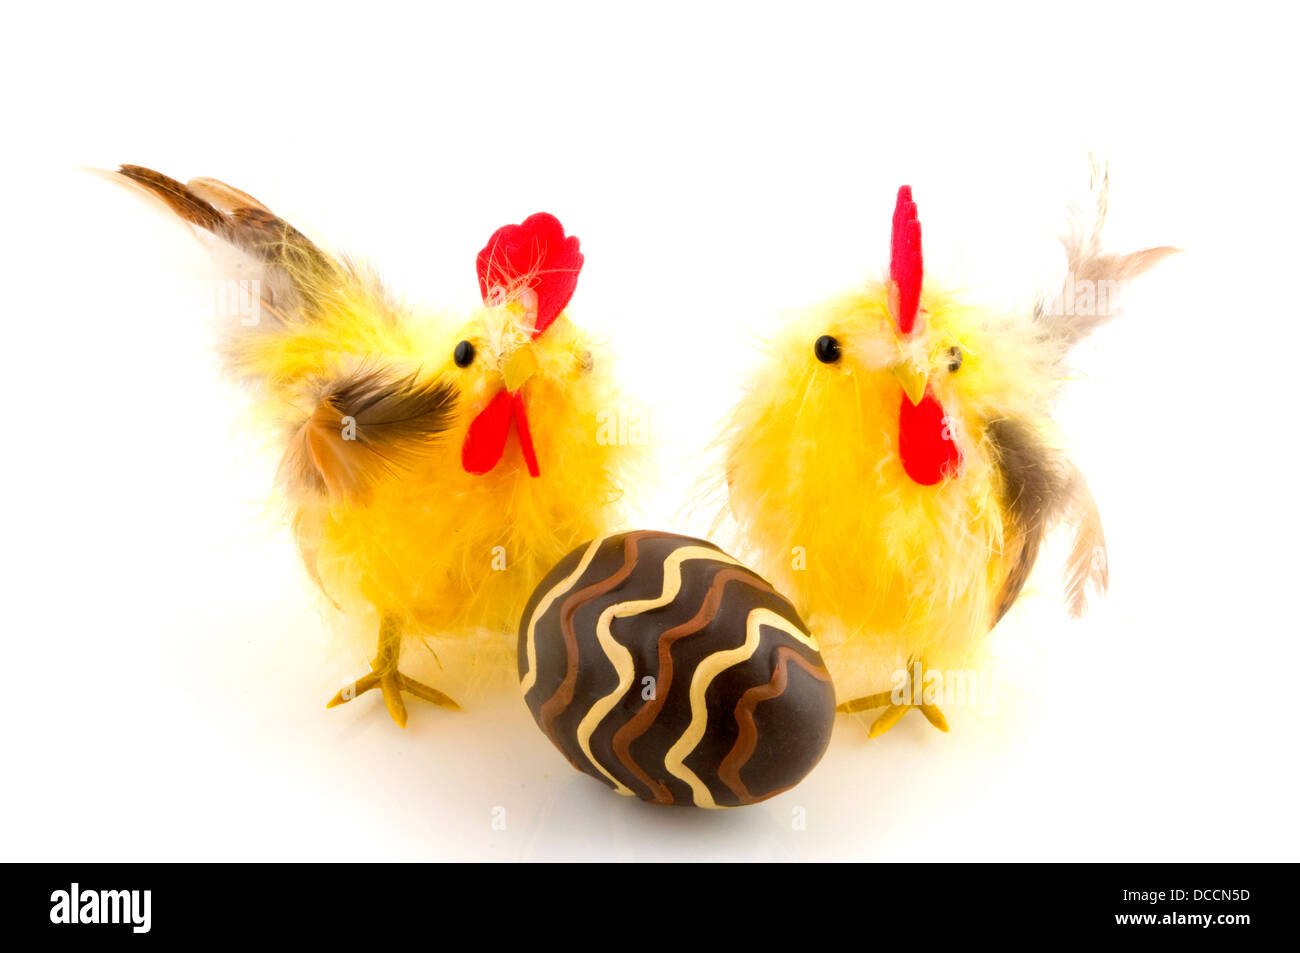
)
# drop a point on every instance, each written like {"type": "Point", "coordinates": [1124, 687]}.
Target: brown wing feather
{"type": "Point", "coordinates": [1024, 553]}
{"type": "Point", "coordinates": [366, 425]}
{"type": "Point", "coordinates": [1030, 489]}
{"type": "Point", "coordinates": [1039, 488]}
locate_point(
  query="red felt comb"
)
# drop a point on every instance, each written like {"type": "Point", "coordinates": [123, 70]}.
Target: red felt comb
{"type": "Point", "coordinates": [534, 256]}
{"type": "Point", "coordinates": [905, 261]}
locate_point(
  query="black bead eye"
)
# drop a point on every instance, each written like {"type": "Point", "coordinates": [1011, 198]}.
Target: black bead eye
{"type": "Point", "coordinates": [463, 354]}
{"type": "Point", "coordinates": [827, 349]}
{"type": "Point", "coordinates": [954, 360]}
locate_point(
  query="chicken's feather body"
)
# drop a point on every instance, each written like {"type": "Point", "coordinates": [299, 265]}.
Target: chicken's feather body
{"type": "Point", "coordinates": [817, 483]}
{"type": "Point", "coordinates": [886, 569]}
{"type": "Point", "coordinates": [370, 409]}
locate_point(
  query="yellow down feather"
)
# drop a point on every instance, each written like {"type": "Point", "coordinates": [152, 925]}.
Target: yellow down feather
{"type": "Point", "coordinates": [450, 555]}
{"type": "Point", "coordinates": [885, 570]}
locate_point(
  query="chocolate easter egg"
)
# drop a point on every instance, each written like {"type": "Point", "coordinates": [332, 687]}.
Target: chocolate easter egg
{"type": "Point", "coordinates": [665, 669]}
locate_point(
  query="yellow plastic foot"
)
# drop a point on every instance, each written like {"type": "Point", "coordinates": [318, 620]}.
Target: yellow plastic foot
{"type": "Point", "coordinates": [385, 676]}
{"type": "Point", "coordinates": [894, 710]}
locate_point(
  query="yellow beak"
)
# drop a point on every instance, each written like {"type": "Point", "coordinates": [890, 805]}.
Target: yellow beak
{"type": "Point", "coordinates": [912, 378]}
{"type": "Point", "coordinates": [519, 365]}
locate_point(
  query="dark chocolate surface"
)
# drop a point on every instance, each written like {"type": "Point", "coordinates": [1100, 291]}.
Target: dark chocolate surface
{"type": "Point", "coordinates": [762, 712]}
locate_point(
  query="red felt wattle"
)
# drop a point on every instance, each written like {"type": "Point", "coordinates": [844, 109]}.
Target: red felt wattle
{"type": "Point", "coordinates": [924, 442]}
{"type": "Point", "coordinates": [534, 254]}
{"type": "Point", "coordinates": [485, 440]}
{"type": "Point", "coordinates": [525, 435]}
{"type": "Point", "coordinates": [905, 260]}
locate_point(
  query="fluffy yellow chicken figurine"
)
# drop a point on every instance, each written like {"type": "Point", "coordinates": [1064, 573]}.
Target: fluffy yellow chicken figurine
{"type": "Point", "coordinates": [413, 508]}
{"type": "Point", "coordinates": [896, 467]}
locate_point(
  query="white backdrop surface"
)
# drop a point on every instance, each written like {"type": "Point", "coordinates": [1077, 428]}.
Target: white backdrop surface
{"type": "Point", "coordinates": [164, 662]}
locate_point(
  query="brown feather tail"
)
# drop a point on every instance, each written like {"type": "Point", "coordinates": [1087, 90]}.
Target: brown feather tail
{"type": "Point", "coordinates": [1087, 565]}
{"type": "Point", "coordinates": [246, 223]}
{"type": "Point", "coordinates": [178, 197]}
{"type": "Point", "coordinates": [1095, 278]}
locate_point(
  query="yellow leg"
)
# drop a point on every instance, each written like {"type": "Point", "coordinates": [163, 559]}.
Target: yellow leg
{"type": "Point", "coordinates": [384, 675]}
{"type": "Point", "coordinates": [895, 710]}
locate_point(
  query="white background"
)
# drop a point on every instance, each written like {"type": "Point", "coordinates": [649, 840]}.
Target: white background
{"type": "Point", "coordinates": [164, 670]}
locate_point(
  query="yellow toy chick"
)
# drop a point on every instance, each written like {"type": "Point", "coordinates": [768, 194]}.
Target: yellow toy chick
{"type": "Point", "coordinates": [411, 504]}
{"type": "Point", "coordinates": [896, 467]}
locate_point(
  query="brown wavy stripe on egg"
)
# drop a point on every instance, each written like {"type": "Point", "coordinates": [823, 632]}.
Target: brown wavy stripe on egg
{"type": "Point", "coordinates": [637, 725]}
{"type": "Point", "coordinates": [734, 763]}
{"type": "Point", "coordinates": [563, 696]}
{"type": "Point", "coordinates": [630, 742]}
